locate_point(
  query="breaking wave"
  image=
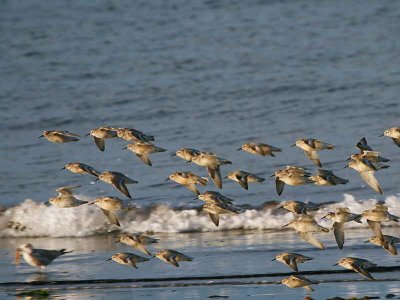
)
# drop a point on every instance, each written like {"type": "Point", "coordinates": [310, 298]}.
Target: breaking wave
{"type": "Point", "coordinates": [35, 219]}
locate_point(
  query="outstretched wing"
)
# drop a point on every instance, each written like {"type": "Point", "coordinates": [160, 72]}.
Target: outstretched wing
{"type": "Point", "coordinates": [308, 237]}
{"type": "Point", "coordinates": [313, 155]}
{"type": "Point", "coordinates": [370, 179]}
{"type": "Point", "coordinates": [192, 187]}
{"type": "Point", "coordinates": [243, 181]}
{"type": "Point", "coordinates": [111, 217]}
{"type": "Point", "coordinates": [119, 184]}
{"type": "Point", "coordinates": [338, 230]}
{"type": "Point", "coordinates": [145, 158]}
{"type": "Point", "coordinates": [279, 184]}
{"type": "Point", "coordinates": [214, 218]}
{"type": "Point", "coordinates": [100, 143]}
{"type": "Point", "coordinates": [215, 175]}
{"type": "Point", "coordinates": [376, 228]}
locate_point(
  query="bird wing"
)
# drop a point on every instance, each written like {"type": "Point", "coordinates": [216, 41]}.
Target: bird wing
{"type": "Point", "coordinates": [111, 216]}
{"type": "Point", "coordinates": [338, 230]}
{"type": "Point", "coordinates": [390, 247]}
{"type": "Point", "coordinates": [66, 190]}
{"type": "Point", "coordinates": [214, 218]}
{"type": "Point", "coordinates": [145, 158]}
{"type": "Point", "coordinates": [376, 228]}
{"type": "Point", "coordinates": [313, 155]}
{"type": "Point", "coordinates": [242, 181]}
{"type": "Point", "coordinates": [279, 185]}
{"type": "Point", "coordinates": [291, 262]}
{"type": "Point", "coordinates": [359, 269]}
{"type": "Point", "coordinates": [370, 179]}
{"type": "Point", "coordinates": [119, 184]}
{"type": "Point", "coordinates": [192, 187]}
{"type": "Point", "coordinates": [143, 249]}
{"type": "Point", "coordinates": [215, 175]}
{"type": "Point", "coordinates": [100, 143]}
{"type": "Point", "coordinates": [308, 237]}
{"type": "Point", "coordinates": [90, 170]}
{"type": "Point", "coordinates": [396, 141]}
{"type": "Point", "coordinates": [308, 288]}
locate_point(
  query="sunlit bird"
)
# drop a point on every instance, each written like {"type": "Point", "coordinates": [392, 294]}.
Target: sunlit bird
{"type": "Point", "coordinates": [310, 148]}
{"type": "Point", "coordinates": [60, 136]}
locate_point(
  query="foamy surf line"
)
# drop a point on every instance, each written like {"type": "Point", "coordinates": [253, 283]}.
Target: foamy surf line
{"type": "Point", "coordinates": [33, 219]}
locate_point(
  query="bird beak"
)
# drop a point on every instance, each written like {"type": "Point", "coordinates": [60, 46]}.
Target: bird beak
{"type": "Point", "coordinates": [323, 217]}
{"type": "Point", "coordinates": [273, 175]}
{"type": "Point", "coordinates": [348, 159]}
{"type": "Point", "coordinates": [188, 161]}
{"type": "Point", "coordinates": [279, 207]}
{"type": "Point", "coordinates": [87, 134]}
{"type": "Point", "coordinates": [40, 136]}
{"type": "Point", "coordinates": [225, 177]}
{"type": "Point", "coordinates": [116, 241]}
{"type": "Point", "coordinates": [126, 147]}
{"type": "Point", "coordinates": [238, 149]}
{"type": "Point", "coordinates": [286, 225]}
{"type": "Point", "coordinates": [382, 134]}
{"type": "Point", "coordinates": [109, 259]}
{"type": "Point", "coordinates": [96, 179]}
{"type": "Point", "coordinates": [293, 145]}
{"type": "Point", "coordinates": [366, 242]}
{"type": "Point", "coordinates": [152, 256]}
{"type": "Point", "coordinates": [173, 154]}
{"type": "Point", "coordinates": [336, 264]}
{"type": "Point", "coordinates": [91, 203]}
{"type": "Point", "coordinates": [345, 167]}
{"type": "Point", "coordinates": [279, 282]}
{"type": "Point", "coordinates": [273, 259]}
{"type": "Point", "coordinates": [167, 179]}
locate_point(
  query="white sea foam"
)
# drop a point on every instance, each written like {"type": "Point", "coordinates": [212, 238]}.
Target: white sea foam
{"type": "Point", "coordinates": [41, 220]}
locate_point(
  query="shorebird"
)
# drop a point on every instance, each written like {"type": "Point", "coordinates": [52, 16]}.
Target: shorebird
{"type": "Point", "coordinates": [212, 163]}
{"type": "Point", "coordinates": [362, 145]}
{"type": "Point", "coordinates": [305, 225]}
{"type": "Point", "coordinates": [109, 206]}
{"type": "Point", "coordinates": [259, 149]}
{"type": "Point", "coordinates": [298, 281]}
{"type": "Point", "coordinates": [130, 134]}
{"type": "Point", "coordinates": [217, 204]}
{"type": "Point", "coordinates": [128, 259]}
{"type": "Point", "coordinates": [60, 136]}
{"type": "Point", "coordinates": [188, 180]}
{"type": "Point", "coordinates": [377, 215]}
{"type": "Point", "coordinates": [137, 241]}
{"type": "Point", "coordinates": [117, 180]}
{"type": "Point", "coordinates": [38, 258]}
{"type": "Point", "coordinates": [358, 265]}
{"type": "Point", "coordinates": [369, 155]}
{"type": "Point", "coordinates": [243, 178]}
{"type": "Point", "coordinates": [143, 149]}
{"type": "Point", "coordinates": [172, 257]}
{"type": "Point", "coordinates": [394, 133]}
{"type": "Point", "coordinates": [326, 177]}
{"type": "Point", "coordinates": [340, 217]}
{"type": "Point", "coordinates": [291, 175]}
{"type": "Point", "coordinates": [65, 198]}
{"type": "Point", "coordinates": [298, 207]}
{"type": "Point", "coordinates": [187, 153]}
{"type": "Point", "coordinates": [101, 134]}
{"type": "Point", "coordinates": [291, 259]}
{"type": "Point", "coordinates": [80, 168]}
{"type": "Point", "coordinates": [388, 243]}
{"type": "Point", "coordinates": [310, 147]}
{"type": "Point", "coordinates": [366, 169]}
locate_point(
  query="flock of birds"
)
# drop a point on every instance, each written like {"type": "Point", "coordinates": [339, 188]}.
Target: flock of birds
{"type": "Point", "coordinates": [366, 162]}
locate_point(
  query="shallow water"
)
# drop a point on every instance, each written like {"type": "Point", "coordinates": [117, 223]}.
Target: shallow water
{"type": "Point", "coordinates": [212, 76]}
